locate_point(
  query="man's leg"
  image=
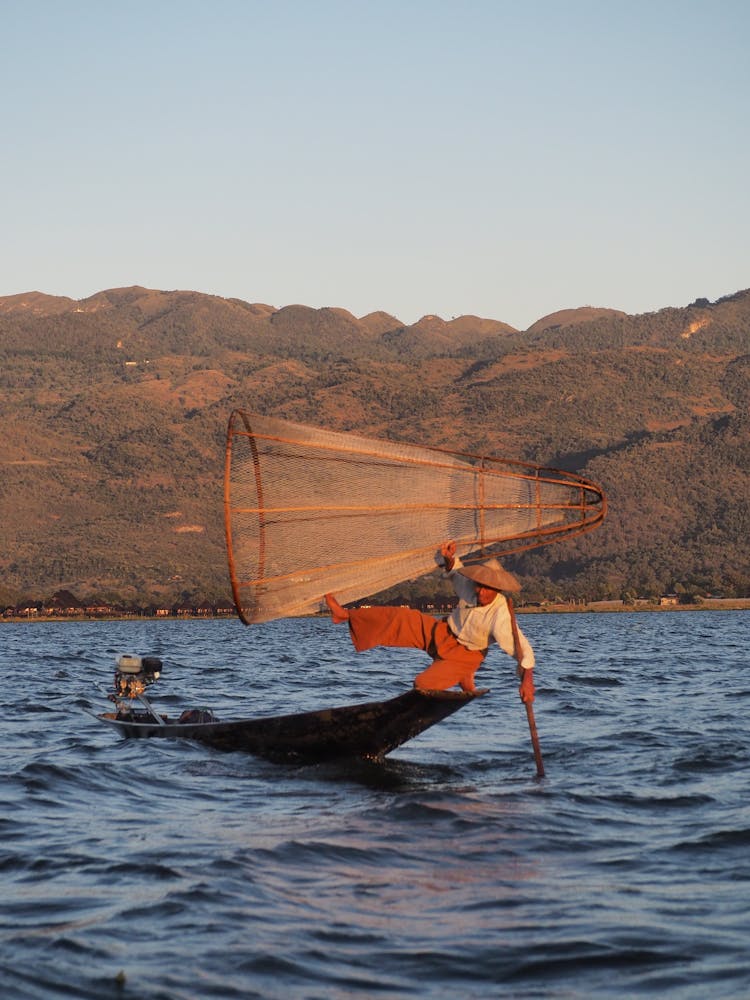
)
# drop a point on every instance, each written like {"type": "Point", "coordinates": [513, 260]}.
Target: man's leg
{"type": "Point", "coordinates": [406, 628]}
{"type": "Point", "coordinates": [444, 674]}
{"type": "Point", "coordinates": [401, 627]}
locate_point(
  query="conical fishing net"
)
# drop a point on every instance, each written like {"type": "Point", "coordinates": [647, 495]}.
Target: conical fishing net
{"type": "Point", "coordinates": [310, 511]}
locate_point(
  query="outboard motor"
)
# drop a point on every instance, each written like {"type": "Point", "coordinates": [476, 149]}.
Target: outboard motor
{"type": "Point", "coordinates": [134, 674]}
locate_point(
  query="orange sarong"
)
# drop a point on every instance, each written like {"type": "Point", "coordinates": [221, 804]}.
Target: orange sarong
{"type": "Point", "coordinates": [451, 664]}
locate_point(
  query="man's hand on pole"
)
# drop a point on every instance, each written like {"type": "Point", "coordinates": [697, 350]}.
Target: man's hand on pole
{"type": "Point", "coordinates": [526, 688]}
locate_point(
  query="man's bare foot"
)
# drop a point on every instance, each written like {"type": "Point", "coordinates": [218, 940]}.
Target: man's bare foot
{"type": "Point", "coordinates": [477, 692]}
{"type": "Point", "coordinates": [338, 614]}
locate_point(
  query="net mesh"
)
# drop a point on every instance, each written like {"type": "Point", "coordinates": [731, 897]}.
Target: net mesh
{"type": "Point", "coordinates": [310, 511]}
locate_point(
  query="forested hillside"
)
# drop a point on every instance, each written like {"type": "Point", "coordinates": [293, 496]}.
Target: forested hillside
{"type": "Point", "coordinates": [114, 410]}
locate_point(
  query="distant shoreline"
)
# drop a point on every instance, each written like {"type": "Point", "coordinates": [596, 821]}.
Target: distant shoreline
{"type": "Point", "coordinates": [594, 607]}
{"type": "Point", "coordinates": [597, 607]}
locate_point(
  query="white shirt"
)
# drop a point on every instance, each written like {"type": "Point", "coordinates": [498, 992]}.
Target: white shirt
{"type": "Point", "coordinates": [475, 626]}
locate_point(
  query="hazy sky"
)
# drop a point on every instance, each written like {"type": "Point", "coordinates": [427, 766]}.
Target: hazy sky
{"type": "Point", "coordinates": [505, 158]}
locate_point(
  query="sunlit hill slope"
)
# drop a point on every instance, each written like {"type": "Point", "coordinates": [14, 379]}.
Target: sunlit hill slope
{"type": "Point", "coordinates": [114, 410]}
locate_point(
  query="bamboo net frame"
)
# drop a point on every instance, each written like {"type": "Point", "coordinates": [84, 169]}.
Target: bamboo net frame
{"type": "Point", "coordinates": [309, 511]}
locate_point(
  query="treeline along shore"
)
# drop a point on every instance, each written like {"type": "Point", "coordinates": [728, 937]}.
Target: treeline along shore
{"type": "Point", "coordinates": [221, 612]}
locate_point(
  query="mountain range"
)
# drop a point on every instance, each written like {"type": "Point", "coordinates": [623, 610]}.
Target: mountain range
{"type": "Point", "coordinates": [114, 410]}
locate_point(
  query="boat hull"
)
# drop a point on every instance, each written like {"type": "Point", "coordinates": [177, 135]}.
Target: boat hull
{"type": "Point", "coordinates": [369, 730]}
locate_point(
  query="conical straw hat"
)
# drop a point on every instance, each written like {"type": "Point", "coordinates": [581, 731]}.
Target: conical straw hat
{"type": "Point", "coordinates": [490, 574]}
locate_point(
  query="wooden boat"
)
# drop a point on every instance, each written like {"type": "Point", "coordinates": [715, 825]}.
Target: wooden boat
{"type": "Point", "coordinates": [369, 730]}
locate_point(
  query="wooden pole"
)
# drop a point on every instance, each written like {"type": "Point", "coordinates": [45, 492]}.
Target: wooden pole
{"type": "Point", "coordinates": [534, 740]}
{"type": "Point", "coordinates": [527, 704]}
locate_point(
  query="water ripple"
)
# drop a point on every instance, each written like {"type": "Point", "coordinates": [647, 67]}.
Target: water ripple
{"type": "Point", "coordinates": [157, 869]}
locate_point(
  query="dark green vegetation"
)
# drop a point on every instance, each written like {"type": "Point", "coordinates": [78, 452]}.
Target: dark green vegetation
{"type": "Point", "coordinates": [114, 410]}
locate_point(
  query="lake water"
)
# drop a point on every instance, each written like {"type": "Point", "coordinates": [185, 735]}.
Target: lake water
{"type": "Point", "coordinates": [158, 869]}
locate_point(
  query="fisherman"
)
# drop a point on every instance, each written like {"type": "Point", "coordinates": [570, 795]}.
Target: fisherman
{"type": "Point", "coordinates": [457, 644]}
